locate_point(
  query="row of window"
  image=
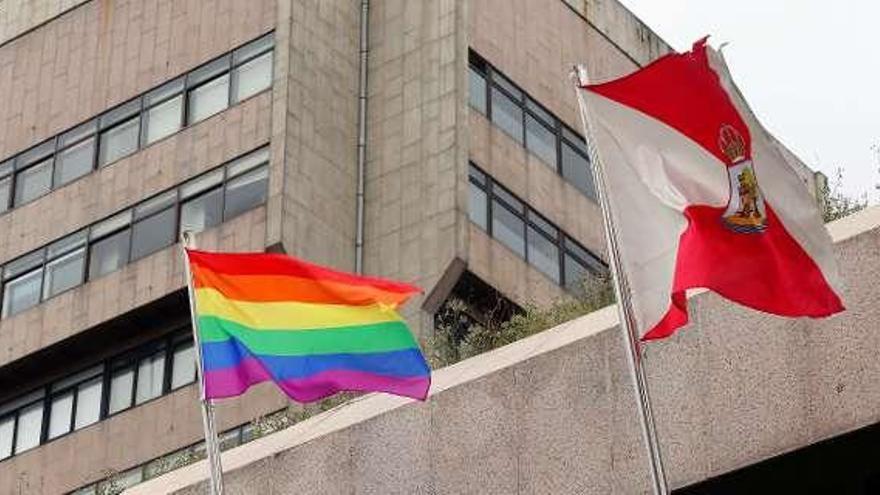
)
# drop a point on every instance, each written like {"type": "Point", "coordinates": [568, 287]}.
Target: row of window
{"type": "Point", "coordinates": [136, 232]}
{"type": "Point", "coordinates": [140, 122]}
{"type": "Point", "coordinates": [516, 225]}
{"type": "Point", "coordinates": [526, 121]}
{"type": "Point", "coordinates": [86, 397]}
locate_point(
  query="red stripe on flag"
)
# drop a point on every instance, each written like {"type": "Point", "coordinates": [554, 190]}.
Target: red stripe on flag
{"type": "Point", "coordinates": [682, 91]}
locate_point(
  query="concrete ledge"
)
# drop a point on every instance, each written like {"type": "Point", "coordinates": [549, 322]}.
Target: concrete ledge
{"type": "Point", "coordinates": [555, 413]}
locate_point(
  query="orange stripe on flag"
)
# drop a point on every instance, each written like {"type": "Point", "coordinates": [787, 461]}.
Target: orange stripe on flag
{"type": "Point", "coordinates": [277, 288]}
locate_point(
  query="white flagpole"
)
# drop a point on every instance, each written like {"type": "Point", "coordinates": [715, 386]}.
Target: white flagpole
{"type": "Point", "coordinates": [187, 241]}
{"type": "Point", "coordinates": [624, 301]}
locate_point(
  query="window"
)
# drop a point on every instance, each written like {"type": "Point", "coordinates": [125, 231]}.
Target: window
{"type": "Point", "coordinates": [23, 281]}
{"type": "Point", "coordinates": [210, 90]}
{"type": "Point", "coordinates": [164, 114]}
{"type": "Point", "coordinates": [30, 427]}
{"type": "Point", "coordinates": [33, 182]}
{"type": "Point", "coordinates": [121, 390]}
{"type": "Point", "coordinates": [60, 412]}
{"type": "Point", "coordinates": [154, 224]}
{"type": "Point", "coordinates": [543, 252]}
{"type": "Point", "coordinates": [150, 377]}
{"type": "Point", "coordinates": [508, 228]}
{"type": "Point", "coordinates": [203, 203]}
{"type": "Point", "coordinates": [66, 266]}
{"type": "Point", "coordinates": [478, 210]}
{"type": "Point", "coordinates": [5, 185]}
{"type": "Point", "coordinates": [575, 274]}
{"type": "Point", "coordinates": [76, 401]}
{"type": "Point", "coordinates": [477, 90]}
{"type": "Point", "coordinates": [183, 369]}
{"type": "Point", "coordinates": [252, 68]}
{"type": "Point", "coordinates": [576, 169]}
{"type": "Point", "coordinates": [88, 402]}
{"type": "Point", "coordinates": [110, 253]}
{"type": "Point", "coordinates": [527, 122]}
{"type": "Point", "coordinates": [120, 130]}
{"type": "Point", "coordinates": [157, 230]}
{"type": "Point", "coordinates": [77, 153]}
{"type": "Point", "coordinates": [7, 430]}
{"type": "Point", "coordinates": [252, 77]}
{"type": "Point", "coordinates": [507, 115]}
{"type": "Point", "coordinates": [139, 122]}
{"type": "Point", "coordinates": [245, 192]}
{"type": "Point", "coordinates": [541, 140]}
{"type": "Point", "coordinates": [526, 232]}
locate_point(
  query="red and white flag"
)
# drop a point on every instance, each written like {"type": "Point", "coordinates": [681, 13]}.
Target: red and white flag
{"type": "Point", "coordinates": [702, 196]}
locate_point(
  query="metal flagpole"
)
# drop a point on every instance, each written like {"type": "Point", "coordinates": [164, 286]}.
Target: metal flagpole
{"type": "Point", "coordinates": [187, 241]}
{"type": "Point", "coordinates": [624, 301]}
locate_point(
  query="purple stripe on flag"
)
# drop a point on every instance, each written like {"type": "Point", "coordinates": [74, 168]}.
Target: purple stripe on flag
{"type": "Point", "coordinates": [230, 382]}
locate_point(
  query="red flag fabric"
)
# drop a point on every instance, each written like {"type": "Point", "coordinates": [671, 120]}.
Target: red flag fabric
{"type": "Point", "coordinates": [703, 196]}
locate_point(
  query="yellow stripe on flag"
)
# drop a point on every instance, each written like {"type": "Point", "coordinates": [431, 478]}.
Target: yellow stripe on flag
{"type": "Point", "coordinates": [290, 315]}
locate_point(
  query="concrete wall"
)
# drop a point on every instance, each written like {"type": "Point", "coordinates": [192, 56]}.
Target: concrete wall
{"type": "Point", "coordinates": [16, 17]}
{"type": "Point", "coordinates": [417, 135]}
{"type": "Point", "coordinates": [555, 413]}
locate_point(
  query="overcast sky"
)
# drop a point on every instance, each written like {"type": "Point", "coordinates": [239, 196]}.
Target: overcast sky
{"type": "Point", "coordinates": [810, 69]}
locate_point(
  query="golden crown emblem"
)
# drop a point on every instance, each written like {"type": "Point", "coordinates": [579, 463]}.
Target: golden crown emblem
{"type": "Point", "coordinates": [732, 144]}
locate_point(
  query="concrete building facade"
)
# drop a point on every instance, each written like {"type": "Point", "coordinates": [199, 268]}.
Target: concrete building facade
{"type": "Point", "coordinates": [125, 121]}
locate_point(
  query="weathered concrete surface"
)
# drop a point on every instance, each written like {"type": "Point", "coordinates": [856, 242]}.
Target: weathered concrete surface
{"type": "Point", "coordinates": [555, 413]}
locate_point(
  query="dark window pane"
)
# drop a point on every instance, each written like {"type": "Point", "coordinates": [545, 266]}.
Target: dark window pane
{"type": "Point", "coordinates": [33, 182]}
{"type": "Point", "coordinates": [476, 175]}
{"type": "Point", "coordinates": [478, 209]}
{"type": "Point", "coordinates": [5, 193]}
{"type": "Point", "coordinates": [183, 366]}
{"type": "Point", "coordinates": [253, 48]}
{"type": "Point", "coordinates": [74, 162]}
{"type": "Point", "coordinates": [247, 162]}
{"type": "Point", "coordinates": [543, 254]}
{"type": "Point", "coordinates": [88, 403]}
{"type": "Point", "coordinates": [536, 109]}
{"type": "Point", "coordinates": [36, 154]}
{"type": "Point", "coordinates": [246, 192]}
{"type": "Point", "coordinates": [252, 77]}
{"type": "Point", "coordinates": [109, 254]}
{"type": "Point", "coordinates": [208, 99]}
{"type": "Point", "coordinates": [507, 85]}
{"type": "Point", "coordinates": [541, 141]}
{"type": "Point", "coordinates": [575, 274]}
{"type": "Point", "coordinates": [151, 376]}
{"type": "Point", "coordinates": [121, 384]}
{"type": "Point", "coordinates": [507, 115]}
{"type": "Point", "coordinates": [30, 427]}
{"type": "Point", "coordinates": [508, 199]}
{"type": "Point", "coordinates": [575, 140]}
{"type": "Point", "coordinates": [22, 293]}
{"type": "Point", "coordinates": [477, 90]}
{"type": "Point", "coordinates": [576, 170]}
{"type": "Point", "coordinates": [60, 412]}
{"type": "Point", "coordinates": [202, 212]}
{"type": "Point", "coordinates": [64, 273]}
{"type": "Point", "coordinates": [7, 427]}
{"type": "Point", "coordinates": [163, 119]}
{"type": "Point", "coordinates": [508, 228]}
{"type": "Point", "coordinates": [119, 141]}
{"type": "Point", "coordinates": [153, 233]}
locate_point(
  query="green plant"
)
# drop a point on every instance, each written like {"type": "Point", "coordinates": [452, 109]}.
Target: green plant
{"type": "Point", "coordinates": [457, 336]}
{"type": "Point", "coordinates": [835, 203]}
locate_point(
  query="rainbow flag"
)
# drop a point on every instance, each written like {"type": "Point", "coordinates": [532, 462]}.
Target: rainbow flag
{"type": "Point", "coordinates": [312, 330]}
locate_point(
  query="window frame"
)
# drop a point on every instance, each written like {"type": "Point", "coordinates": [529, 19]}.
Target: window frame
{"type": "Point", "coordinates": [534, 220]}
{"type": "Point", "coordinates": [51, 148]}
{"type": "Point", "coordinates": [72, 383]}
{"type": "Point", "coordinates": [529, 106]}
{"type": "Point", "coordinates": [250, 162]}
